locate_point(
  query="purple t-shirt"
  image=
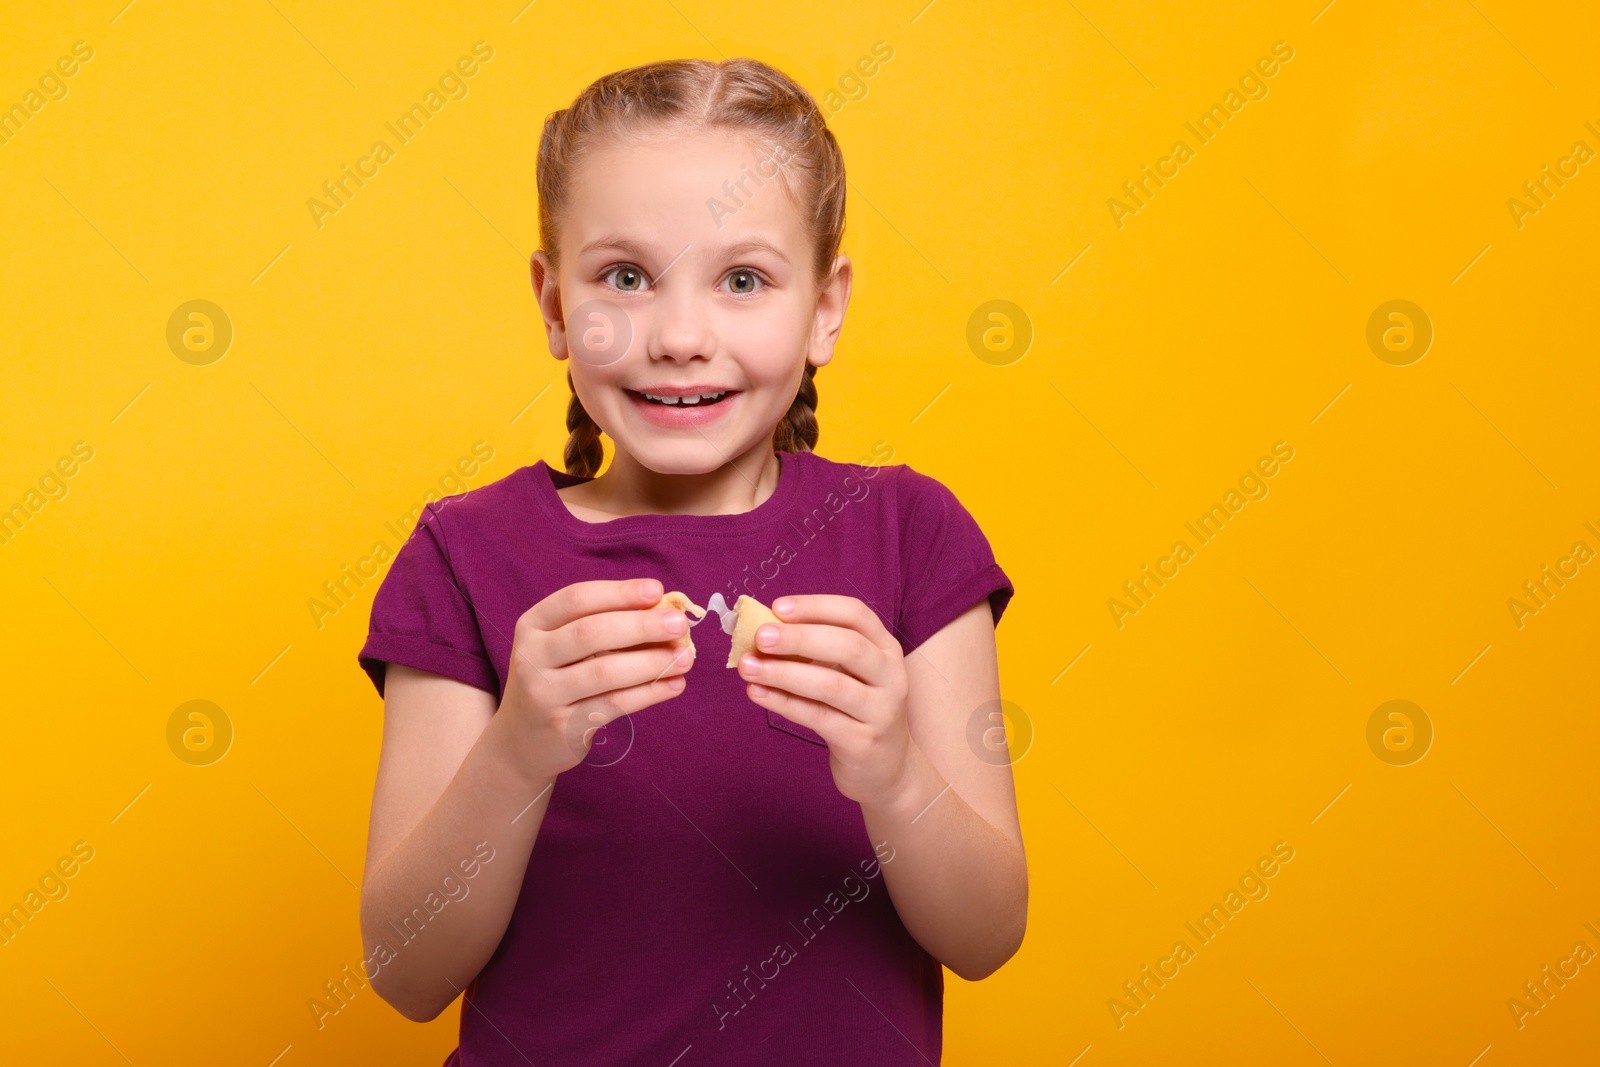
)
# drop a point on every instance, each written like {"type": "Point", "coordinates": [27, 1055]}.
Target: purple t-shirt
{"type": "Point", "coordinates": [700, 892]}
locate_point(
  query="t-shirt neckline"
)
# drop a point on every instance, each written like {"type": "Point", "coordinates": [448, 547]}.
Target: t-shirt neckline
{"type": "Point", "coordinates": [547, 479]}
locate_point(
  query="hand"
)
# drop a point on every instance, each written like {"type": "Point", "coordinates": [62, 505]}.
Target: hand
{"type": "Point", "coordinates": [585, 655]}
{"type": "Point", "coordinates": [853, 692]}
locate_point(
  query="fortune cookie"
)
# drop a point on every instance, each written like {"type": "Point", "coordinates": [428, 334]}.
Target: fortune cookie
{"type": "Point", "coordinates": [749, 615]}
{"type": "Point", "coordinates": [682, 602]}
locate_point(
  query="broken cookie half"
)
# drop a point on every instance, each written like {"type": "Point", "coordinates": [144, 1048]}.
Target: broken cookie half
{"type": "Point", "coordinates": [749, 616]}
{"type": "Point", "coordinates": [682, 602]}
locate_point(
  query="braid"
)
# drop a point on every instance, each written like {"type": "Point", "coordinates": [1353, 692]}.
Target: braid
{"type": "Point", "coordinates": [798, 431]}
{"type": "Point", "coordinates": [584, 452]}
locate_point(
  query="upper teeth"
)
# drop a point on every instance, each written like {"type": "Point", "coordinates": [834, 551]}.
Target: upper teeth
{"type": "Point", "coordinates": [691, 400]}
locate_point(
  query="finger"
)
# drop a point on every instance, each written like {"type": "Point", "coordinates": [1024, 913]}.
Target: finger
{"type": "Point", "coordinates": [683, 656]}
{"type": "Point", "coordinates": [597, 710]}
{"type": "Point", "coordinates": [613, 631]}
{"type": "Point", "coordinates": [585, 598]}
{"type": "Point", "coordinates": [847, 611]}
{"type": "Point", "coordinates": [849, 649]}
{"type": "Point", "coordinates": [593, 714]}
{"type": "Point", "coordinates": [812, 681]}
{"type": "Point", "coordinates": [620, 670]}
{"type": "Point", "coordinates": [819, 717]}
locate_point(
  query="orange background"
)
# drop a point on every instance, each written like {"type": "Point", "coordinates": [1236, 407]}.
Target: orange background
{"type": "Point", "coordinates": [1170, 352]}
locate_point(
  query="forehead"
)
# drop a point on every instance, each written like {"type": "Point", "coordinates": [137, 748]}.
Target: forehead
{"type": "Point", "coordinates": [670, 189]}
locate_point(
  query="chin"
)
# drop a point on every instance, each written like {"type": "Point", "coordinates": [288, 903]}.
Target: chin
{"type": "Point", "coordinates": [683, 468]}
{"type": "Point", "coordinates": [691, 457]}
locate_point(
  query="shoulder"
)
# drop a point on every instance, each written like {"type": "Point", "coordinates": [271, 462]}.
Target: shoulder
{"type": "Point", "coordinates": [902, 492]}
{"type": "Point", "coordinates": [824, 474]}
{"type": "Point", "coordinates": [501, 505]}
{"type": "Point", "coordinates": [918, 489]}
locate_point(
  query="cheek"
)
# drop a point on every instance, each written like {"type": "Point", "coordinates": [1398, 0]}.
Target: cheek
{"type": "Point", "coordinates": [598, 390]}
{"type": "Point", "coordinates": [770, 356]}
{"type": "Point", "coordinates": [767, 348]}
{"type": "Point", "coordinates": [768, 343]}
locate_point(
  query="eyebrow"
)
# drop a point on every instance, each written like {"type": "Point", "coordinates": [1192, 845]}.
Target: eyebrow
{"type": "Point", "coordinates": [738, 248]}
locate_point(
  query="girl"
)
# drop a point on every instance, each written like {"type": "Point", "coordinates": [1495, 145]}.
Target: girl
{"type": "Point", "coordinates": [620, 854]}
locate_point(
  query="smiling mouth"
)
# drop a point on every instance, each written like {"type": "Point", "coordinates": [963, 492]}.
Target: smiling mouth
{"type": "Point", "coordinates": [702, 401]}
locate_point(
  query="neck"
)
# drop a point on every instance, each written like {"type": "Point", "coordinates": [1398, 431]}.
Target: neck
{"type": "Point", "coordinates": [744, 483]}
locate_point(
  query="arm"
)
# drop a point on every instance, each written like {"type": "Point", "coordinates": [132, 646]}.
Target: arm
{"type": "Point", "coordinates": [455, 771]}
{"type": "Point", "coordinates": [959, 877]}
{"type": "Point", "coordinates": [447, 780]}
{"type": "Point", "coordinates": [900, 751]}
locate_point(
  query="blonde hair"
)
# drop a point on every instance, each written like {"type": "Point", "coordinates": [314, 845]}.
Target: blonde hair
{"type": "Point", "coordinates": [743, 95]}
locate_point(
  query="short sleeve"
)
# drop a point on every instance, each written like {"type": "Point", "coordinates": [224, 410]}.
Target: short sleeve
{"type": "Point", "coordinates": [422, 619]}
{"type": "Point", "coordinates": [946, 563]}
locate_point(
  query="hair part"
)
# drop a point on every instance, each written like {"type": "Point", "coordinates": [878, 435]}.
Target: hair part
{"type": "Point", "coordinates": [741, 95]}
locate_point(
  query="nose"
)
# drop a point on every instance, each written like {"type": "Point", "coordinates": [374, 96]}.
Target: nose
{"type": "Point", "coordinates": [680, 328]}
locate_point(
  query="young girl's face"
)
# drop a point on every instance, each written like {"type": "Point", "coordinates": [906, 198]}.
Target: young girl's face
{"type": "Point", "coordinates": [685, 267]}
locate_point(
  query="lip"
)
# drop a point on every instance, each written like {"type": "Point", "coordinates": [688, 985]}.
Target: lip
{"type": "Point", "coordinates": [680, 417]}
{"type": "Point", "coordinates": [685, 390]}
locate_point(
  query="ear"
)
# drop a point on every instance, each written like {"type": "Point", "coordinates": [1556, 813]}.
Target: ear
{"type": "Point", "coordinates": [548, 293]}
{"type": "Point", "coordinates": [832, 300]}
